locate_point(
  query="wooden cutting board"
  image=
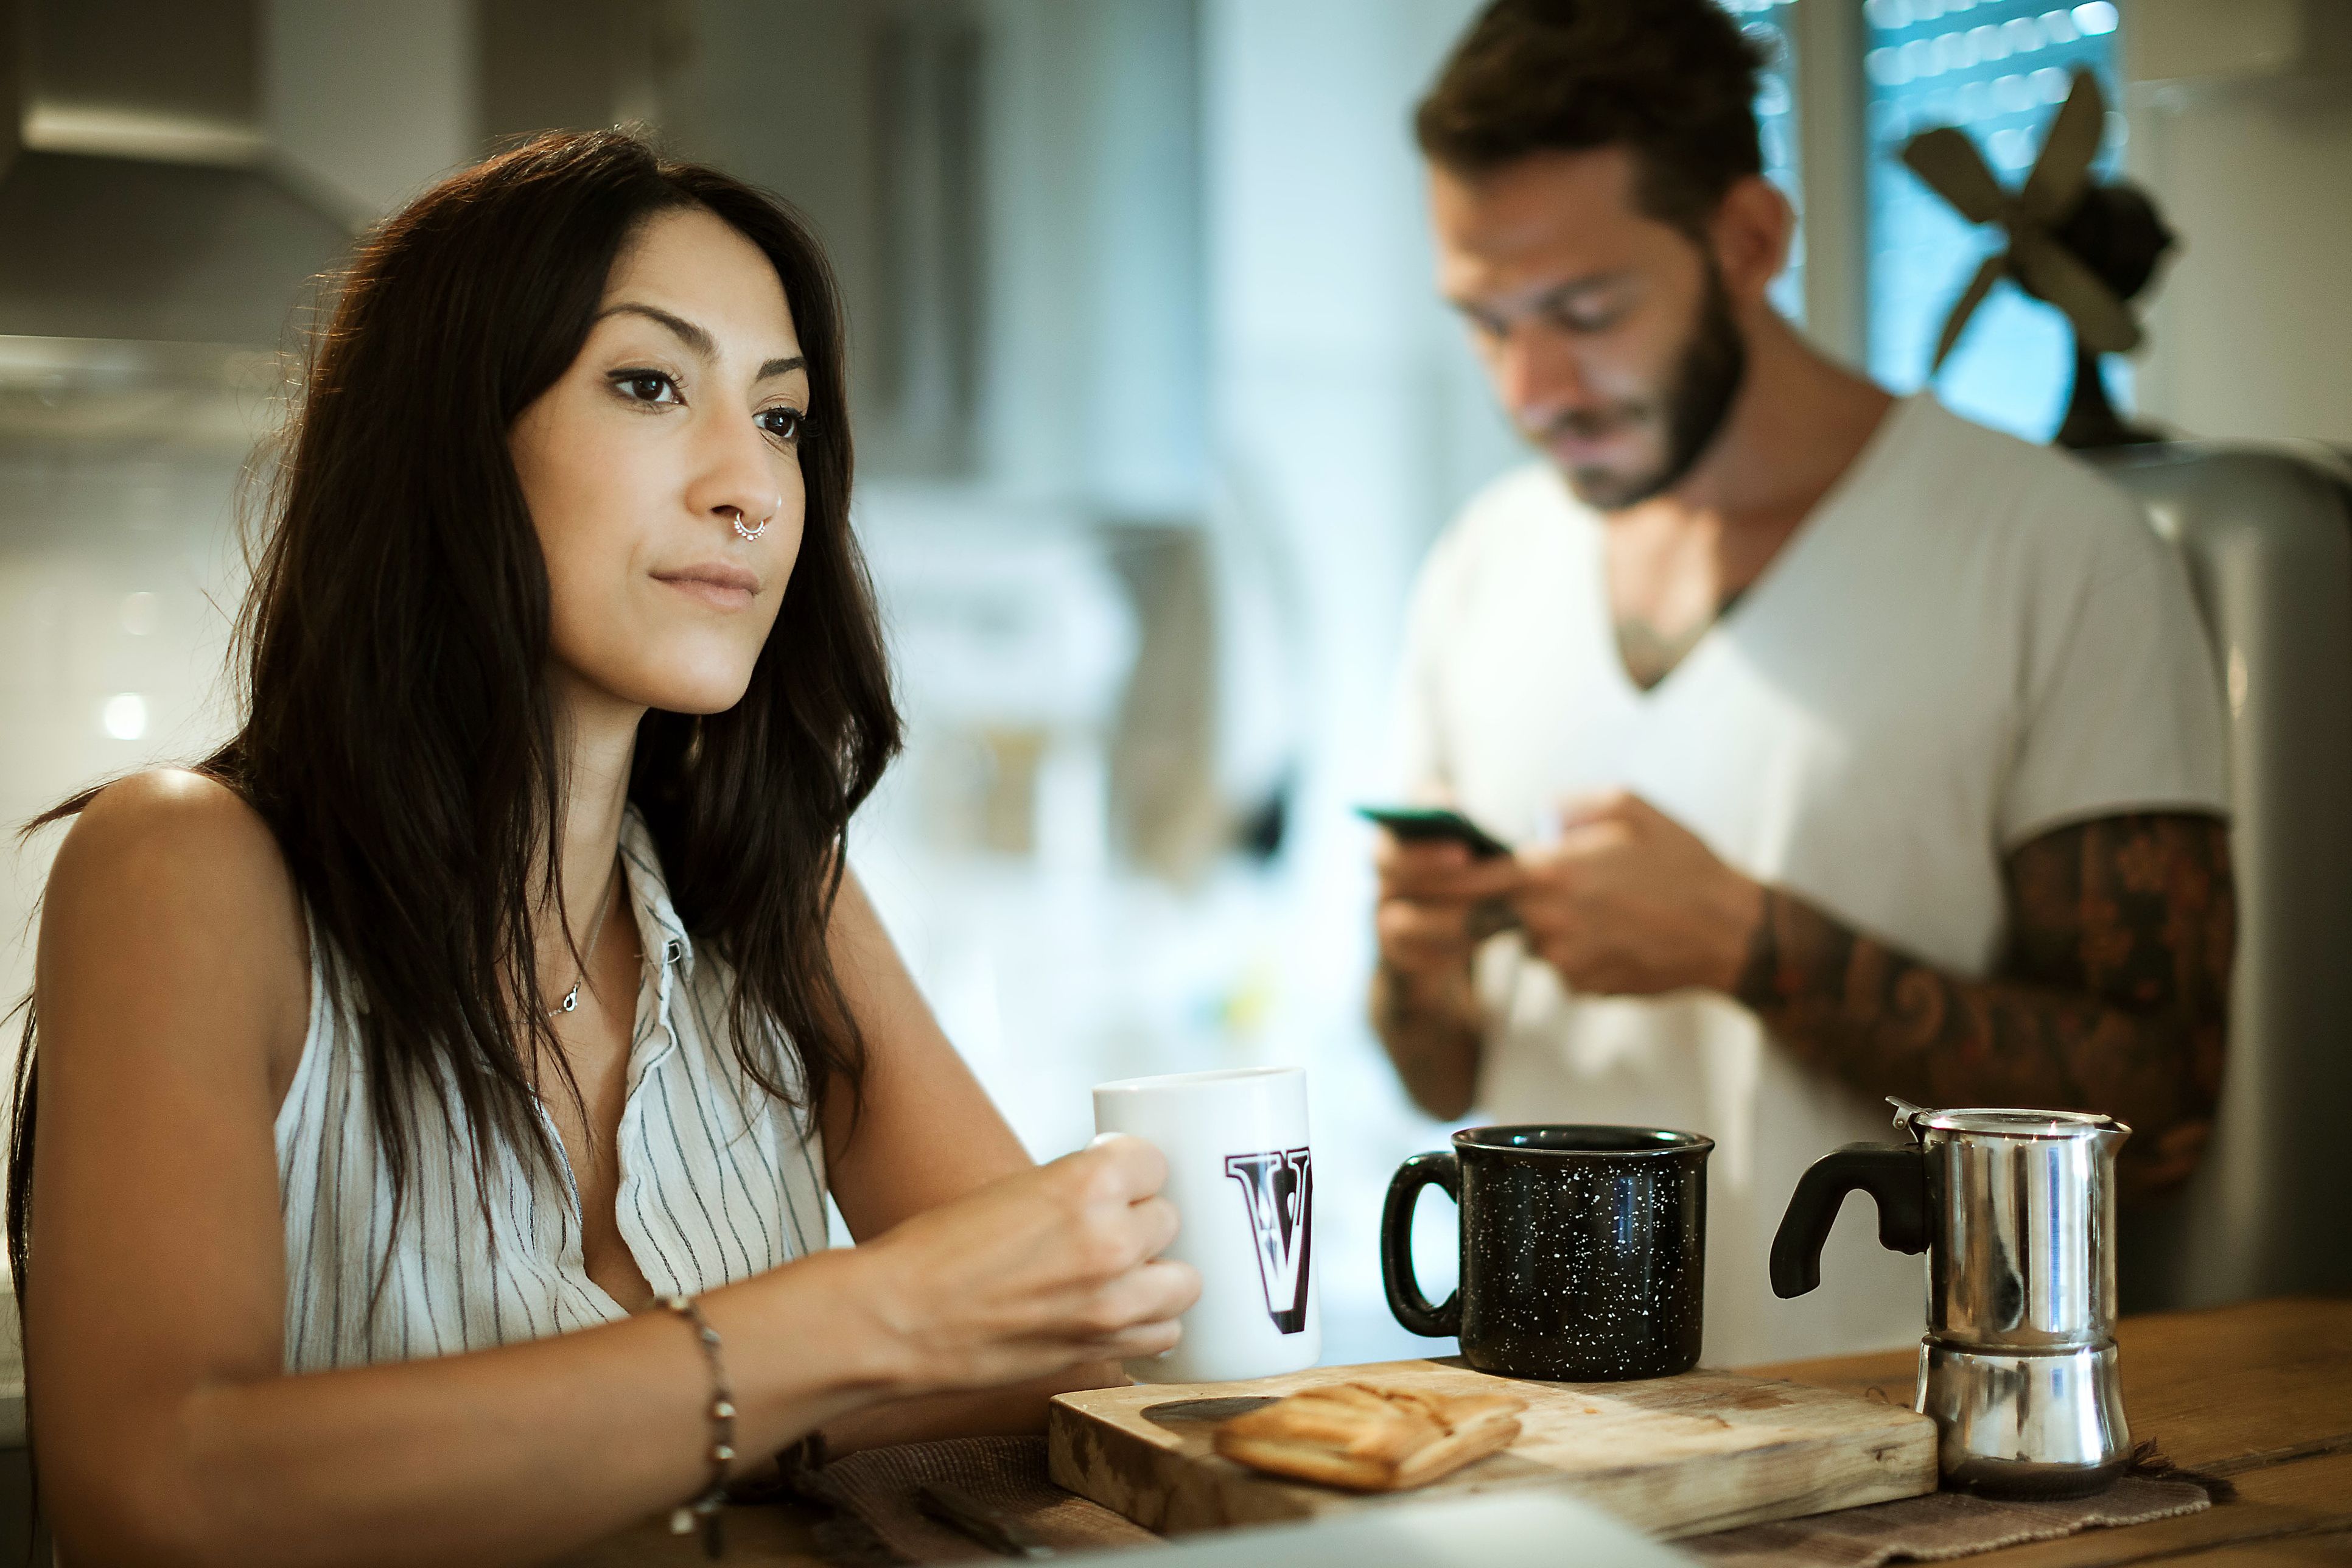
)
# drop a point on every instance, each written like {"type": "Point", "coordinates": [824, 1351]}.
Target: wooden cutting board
{"type": "Point", "coordinates": [1675, 1456]}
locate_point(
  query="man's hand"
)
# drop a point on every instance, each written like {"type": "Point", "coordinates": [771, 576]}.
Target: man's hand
{"type": "Point", "coordinates": [1630, 902]}
{"type": "Point", "coordinates": [1437, 903]}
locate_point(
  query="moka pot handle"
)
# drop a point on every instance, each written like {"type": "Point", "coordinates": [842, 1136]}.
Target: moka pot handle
{"type": "Point", "coordinates": [1893, 1174]}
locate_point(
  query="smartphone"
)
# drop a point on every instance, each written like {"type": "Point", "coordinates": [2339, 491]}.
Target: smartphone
{"type": "Point", "coordinates": [1435, 825]}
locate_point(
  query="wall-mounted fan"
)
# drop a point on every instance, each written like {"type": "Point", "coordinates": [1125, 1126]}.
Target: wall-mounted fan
{"type": "Point", "coordinates": [2076, 243]}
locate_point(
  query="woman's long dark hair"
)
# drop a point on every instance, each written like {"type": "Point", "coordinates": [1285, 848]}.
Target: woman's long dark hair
{"type": "Point", "coordinates": [398, 735]}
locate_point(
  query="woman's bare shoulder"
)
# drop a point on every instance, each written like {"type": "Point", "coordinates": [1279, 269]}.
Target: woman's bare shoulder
{"type": "Point", "coordinates": [172, 871]}
{"type": "Point", "coordinates": [169, 824]}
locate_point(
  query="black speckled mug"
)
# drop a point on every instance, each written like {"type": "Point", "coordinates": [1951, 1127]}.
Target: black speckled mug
{"type": "Point", "coordinates": [1583, 1251]}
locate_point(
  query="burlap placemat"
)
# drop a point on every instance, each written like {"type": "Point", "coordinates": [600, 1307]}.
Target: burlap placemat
{"type": "Point", "coordinates": [1943, 1525]}
{"type": "Point", "coordinates": [877, 1521]}
{"type": "Point", "coordinates": [877, 1524]}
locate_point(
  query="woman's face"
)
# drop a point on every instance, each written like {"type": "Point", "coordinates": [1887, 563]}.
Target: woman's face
{"type": "Point", "coordinates": [675, 432]}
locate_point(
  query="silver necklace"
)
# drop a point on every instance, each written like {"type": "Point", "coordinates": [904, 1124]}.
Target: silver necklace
{"type": "Point", "coordinates": [572, 997]}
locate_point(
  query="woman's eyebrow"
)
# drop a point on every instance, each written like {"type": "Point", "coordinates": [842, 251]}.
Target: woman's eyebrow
{"type": "Point", "coordinates": [694, 337]}
{"type": "Point", "coordinates": [697, 339]}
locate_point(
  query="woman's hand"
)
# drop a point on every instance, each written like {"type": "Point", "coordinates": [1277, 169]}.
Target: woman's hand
{"type": "Point", "coordinates": [1034, 1273]}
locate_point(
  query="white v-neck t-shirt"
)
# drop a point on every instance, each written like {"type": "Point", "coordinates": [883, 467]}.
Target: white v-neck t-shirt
{"type": "Point", "coordinates": [1969, 642]}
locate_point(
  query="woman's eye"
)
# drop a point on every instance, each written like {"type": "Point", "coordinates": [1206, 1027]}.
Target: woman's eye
{"type": "Point", "coordinates": [783, 423]}
{"type": "Point", "coordinates": [645, 386]}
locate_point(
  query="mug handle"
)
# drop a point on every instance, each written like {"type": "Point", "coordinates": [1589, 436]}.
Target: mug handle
{"type": "Point", "coordinates": [1405, 1300]}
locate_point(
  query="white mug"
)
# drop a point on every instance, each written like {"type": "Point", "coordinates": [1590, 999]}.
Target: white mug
{"type": "Point", "coordinates": [1244, 1186]}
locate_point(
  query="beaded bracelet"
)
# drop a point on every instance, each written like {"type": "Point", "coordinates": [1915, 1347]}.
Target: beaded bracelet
{"type": "Point", "coordinates": [722, 1432]}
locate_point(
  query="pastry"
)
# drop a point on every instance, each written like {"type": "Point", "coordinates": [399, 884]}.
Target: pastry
{"type": "Point", "coordinates": [1370, 1438]}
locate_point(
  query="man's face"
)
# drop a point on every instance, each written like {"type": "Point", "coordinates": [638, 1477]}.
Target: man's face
{"type": "Point", "coordinates": [1608, 333]}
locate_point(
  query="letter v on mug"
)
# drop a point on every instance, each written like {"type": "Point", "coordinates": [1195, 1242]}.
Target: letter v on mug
{"type": "Point", "coordinates": [1244, 1185]}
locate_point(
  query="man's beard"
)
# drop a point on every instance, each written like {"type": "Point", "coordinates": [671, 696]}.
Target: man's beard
{"type": "Point", "coordinates": [1693, 409]}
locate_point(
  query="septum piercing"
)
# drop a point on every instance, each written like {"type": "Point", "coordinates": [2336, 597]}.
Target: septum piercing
{"type": "Point", "coordinates": [750, 533]}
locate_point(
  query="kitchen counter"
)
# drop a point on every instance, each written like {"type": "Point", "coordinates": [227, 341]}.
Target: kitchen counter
{"type": "Point", "coordinates": [2259, 1393]}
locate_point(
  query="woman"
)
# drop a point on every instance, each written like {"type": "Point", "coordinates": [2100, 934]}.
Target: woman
{"type": "Point", "coordinates": [501, 977]}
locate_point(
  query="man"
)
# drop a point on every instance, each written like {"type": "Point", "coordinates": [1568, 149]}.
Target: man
{"type": "Point", "coordinates": [1851, 750]}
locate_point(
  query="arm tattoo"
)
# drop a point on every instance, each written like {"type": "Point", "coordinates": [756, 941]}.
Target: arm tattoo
{"type": "Point", "coordinates": [1432, 1040]}
{"type": "Point", "coordinates": [2113, 995]}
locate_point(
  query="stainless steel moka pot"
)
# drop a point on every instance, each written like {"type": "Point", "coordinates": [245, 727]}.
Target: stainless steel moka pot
{"type": "Point", "coordinates": [2016, 1211]}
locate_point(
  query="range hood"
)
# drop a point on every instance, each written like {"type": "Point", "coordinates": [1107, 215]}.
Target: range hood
{"type": "Point", "coordinates": [151, 240]}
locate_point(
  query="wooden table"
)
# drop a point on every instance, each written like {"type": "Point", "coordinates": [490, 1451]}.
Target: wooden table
{"type": "Point", "coordinates": [2259, 1393]}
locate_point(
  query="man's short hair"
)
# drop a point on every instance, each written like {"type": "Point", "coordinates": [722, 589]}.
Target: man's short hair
{"type": "Point", "coordinates": [1672, 80]}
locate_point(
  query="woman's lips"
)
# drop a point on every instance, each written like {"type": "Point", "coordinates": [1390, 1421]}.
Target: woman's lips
{"type": "Point", "coordinates": [719, 584]}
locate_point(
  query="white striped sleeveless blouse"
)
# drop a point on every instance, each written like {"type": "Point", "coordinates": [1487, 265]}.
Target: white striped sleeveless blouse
{"type": "Point", "coordinates": [717, 1179]}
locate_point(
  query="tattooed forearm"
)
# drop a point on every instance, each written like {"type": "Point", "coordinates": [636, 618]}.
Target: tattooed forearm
{"type": "Point", "coordinates": [2113, 996]}
{"type": "Point", "coordinates": [1430, 1030]}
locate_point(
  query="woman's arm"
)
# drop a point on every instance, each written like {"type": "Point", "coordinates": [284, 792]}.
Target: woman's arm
{"type": "Point", "coordinates": [927, 1136]}
{"type": "Point", "coordinates": [171, 988]}
{"type": "Point", "coordinates": [927, 1133]}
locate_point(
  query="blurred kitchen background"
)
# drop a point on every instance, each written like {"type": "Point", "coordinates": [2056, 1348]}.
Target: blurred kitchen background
{"type": "Point", "coordinates": [1157, 412]}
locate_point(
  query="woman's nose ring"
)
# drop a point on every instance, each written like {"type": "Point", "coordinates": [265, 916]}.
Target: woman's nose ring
{"type": "Point", "coordinates": [754, 532]}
